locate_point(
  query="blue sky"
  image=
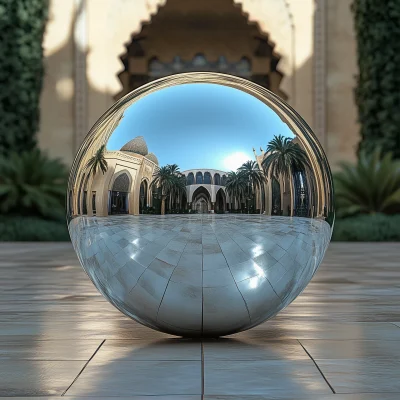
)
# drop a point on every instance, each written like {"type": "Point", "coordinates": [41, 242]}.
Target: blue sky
{"type": "Point", "coordinates": [200, 125]}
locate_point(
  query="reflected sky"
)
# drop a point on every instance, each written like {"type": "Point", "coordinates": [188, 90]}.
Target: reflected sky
{"type": "Point", "coordinates": [200, 126]}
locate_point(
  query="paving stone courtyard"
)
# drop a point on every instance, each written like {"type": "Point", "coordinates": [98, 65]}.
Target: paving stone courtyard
{"type": "Point", "coordinates": [340, 339]}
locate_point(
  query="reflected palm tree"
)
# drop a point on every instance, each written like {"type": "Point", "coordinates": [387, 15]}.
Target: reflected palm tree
{"type": "Point", "coordinates": [283, 158]}
{"type": "Point", "coordinates": [236, 186]}
{"type": "Point", "coordinates": [170, 182]}
{"type": "Point", "coordinates": [254, 177]}
{"type": "Point", "coordinates": [98, 161]}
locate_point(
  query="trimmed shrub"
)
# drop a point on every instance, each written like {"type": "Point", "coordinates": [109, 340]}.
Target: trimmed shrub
{"type": "Point", "coordinates": [368, 228]}
{"type": "Point", "coordinates": [377, 27]}
{"type": "Point", "coordinates": [32, 229]}
{"type": "Point", "coordinates": [22, 25]}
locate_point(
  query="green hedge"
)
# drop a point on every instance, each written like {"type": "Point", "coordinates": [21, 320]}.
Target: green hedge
{"type": "Point", "coordinates": [377, 27]}
{"type": "Point", "coordinates": [368, 228]}
{"type": "Point", "coordinates": [32, 229]}
{"type": "Point", "coordinates": [22, 24]}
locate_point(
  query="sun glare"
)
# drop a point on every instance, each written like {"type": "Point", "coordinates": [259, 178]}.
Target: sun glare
{"type": "Point", "coordinates": [235, 160]}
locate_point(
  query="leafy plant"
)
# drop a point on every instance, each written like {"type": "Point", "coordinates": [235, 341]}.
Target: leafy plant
{"type": "Point", "coordinates": [283, 157]}
{"type": "Point", "coordinates": [32, 184]}
{"type": "Point", "coordinates": [255, 179]}
{"type": "Point", "coordinates": [370, 186]}
{"type": "Point", "coordinates": [236, 187]}
{"type": "Point", "coordinates": [377, 94]}
{"type": "Point", "coordinates": [170, 182]}
{"type": "Point", "coordinates": [98, 161]}
{"type": "Point", "coordinates": [22, 24]}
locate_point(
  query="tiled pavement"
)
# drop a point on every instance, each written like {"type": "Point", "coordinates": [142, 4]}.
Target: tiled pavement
{"type": "Point", "coordinates": [340, 339]}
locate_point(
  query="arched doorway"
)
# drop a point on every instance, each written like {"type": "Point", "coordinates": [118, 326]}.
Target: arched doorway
{"type": "Point", "coordinates": [201, 200]}
{"type": "Point", "coordinates": [200, 36]}
{"type": "Point", "coordinates": [119, 199]}
{"type": "Point", "coordinates": [220, 202]}
{"type": "Point", "coordinates": [143, 196]}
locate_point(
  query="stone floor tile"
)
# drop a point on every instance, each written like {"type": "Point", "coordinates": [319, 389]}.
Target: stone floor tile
{"type": "Point", "coordinates": [37, 378]}
{"type": "Point", "coordinates": [145, 350]}
{"type": "Point", "coordinates": [291, 377]}
{"type": "Point", "coordinates": [368, 375]}
{"type": "Point", "coordinates": [237, 350]}
{"type": "Point", "coordinates": [343, 349]}
{"type": "Point", "coordinates": [124, 378]}
{"type": "Point", "coordinates": [48, 350]}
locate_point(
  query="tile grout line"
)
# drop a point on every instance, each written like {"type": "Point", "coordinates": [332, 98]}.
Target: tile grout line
{"type": "Point", "coordinates": [80, 372]}
{"type": "Point", "coordinates": [319, 369]}
{"type": "Point", "coordinates": [202, 370]}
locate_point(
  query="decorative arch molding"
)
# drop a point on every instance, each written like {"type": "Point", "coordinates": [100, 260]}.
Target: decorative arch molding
{"type": "Point", "coordinates": [120, 182]}
{"type": "Point", "coordinates": [147, 56]}
{"type": "Point", "coordinates": [272, 16]}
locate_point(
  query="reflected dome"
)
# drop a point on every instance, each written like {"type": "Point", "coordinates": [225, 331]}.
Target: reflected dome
{"type": "Point", "coordinates": [137, 145]}
{"type": "Point", "coordinates": [200, 204]}
{"type": "Point", "coordinates": [152, 157]}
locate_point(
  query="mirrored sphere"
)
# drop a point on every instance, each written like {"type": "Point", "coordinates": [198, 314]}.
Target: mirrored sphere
{"type": "Point", "coordinates": [200, 204]}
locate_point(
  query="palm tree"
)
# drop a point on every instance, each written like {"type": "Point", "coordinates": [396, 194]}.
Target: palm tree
{"type": "Point", "coordinates": [235, 186]}
{"type": "Point", "coordinates": [170, 181]}
{"type": "Point", "coordinates": [282, 158]}
{"type": "Point", "coordinates": [98, 161]}
{"type": "Point", "coordinates": [254, 176]}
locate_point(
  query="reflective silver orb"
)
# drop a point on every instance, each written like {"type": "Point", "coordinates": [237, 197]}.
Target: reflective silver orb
{"type": "Point", "coordinates": [200, 204]}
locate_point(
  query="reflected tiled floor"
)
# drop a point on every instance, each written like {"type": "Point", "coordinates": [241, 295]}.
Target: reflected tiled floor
{"type": "Point", "coordinates": [59, 336]}
{"type": "Point", "coordinates": [204, 274]}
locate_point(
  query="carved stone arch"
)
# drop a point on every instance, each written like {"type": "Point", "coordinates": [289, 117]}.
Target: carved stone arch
{"type": "Point", "coordinates": [121, 182]}
{"type": "Point", "coordinates": [220, 201]}
{"type": "Point", "coordinates": [201, 200]}
{"type": "Point", "coordinates": [192, 35]}
{"type": "Point", "coordinates": [144, 195]}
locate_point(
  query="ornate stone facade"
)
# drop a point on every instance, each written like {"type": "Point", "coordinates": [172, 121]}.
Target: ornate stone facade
{"type": "Point", "coordinates": [97, 50]}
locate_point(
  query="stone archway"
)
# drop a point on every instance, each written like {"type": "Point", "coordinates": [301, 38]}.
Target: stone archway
{"type": "Point", "coordinates": [119, 194]}
{"type": "Point", "coordinates": [220, 202]}
{"type": "Point", "coordinates": [201, 200]}
{"type": "Point", "coordinates": [192, 35]}
{"type": "Point", "coordinates": [143, 196]}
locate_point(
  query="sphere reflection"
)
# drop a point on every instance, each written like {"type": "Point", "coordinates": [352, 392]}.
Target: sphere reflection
{"type": "Point", "coordinates": [200, 204]}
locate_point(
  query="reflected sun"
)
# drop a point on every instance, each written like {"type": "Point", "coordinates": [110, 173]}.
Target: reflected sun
{"type": "Point", "coordinates": [235, 160]}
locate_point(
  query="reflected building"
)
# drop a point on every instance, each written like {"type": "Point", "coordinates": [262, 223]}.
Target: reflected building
{"type": "Point", "coordinates": [124, 188]}
{"type": "Point", "coordinates": [205, 190]}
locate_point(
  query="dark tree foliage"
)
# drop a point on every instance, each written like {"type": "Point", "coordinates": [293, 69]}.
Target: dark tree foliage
{"type": "Point", "coordinates": [22, 24]}
{"type": "Point", "coordinates": [377, 26]}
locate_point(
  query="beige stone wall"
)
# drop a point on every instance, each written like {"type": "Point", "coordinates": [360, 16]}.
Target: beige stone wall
{"type": "Point", "coordinates": [57, 107]}
{"type": "Point", "coordinates": [342, 128]}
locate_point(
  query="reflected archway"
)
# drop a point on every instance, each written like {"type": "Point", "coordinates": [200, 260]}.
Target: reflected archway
{"type": "Point", "coordinates": [143, 196]}
{"type": "Point", "coordinates": [119, 195]}
{"type": "Point", "coordinates": [201, 200]}
{"type": "Point", "coordinates": [220, 202]}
